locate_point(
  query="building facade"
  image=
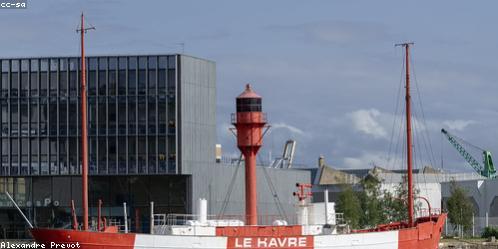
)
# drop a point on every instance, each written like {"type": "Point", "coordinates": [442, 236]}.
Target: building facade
{"type": "Point", "coordinates": [134, 114]}
{"type": "Point", "coordinates": [152, 137]}
{"type": "Point", "coordinates": [143, 112]}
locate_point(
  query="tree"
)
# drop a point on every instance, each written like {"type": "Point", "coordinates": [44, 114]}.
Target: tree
{"type": "Point", "coordinates": [371, 200]}
{"type": "Point", "coordinates": [395, 204]}
{"type": "Point", "coordinates": [460, 208]}
{"type": "Point", "coordinates": [349, 204]}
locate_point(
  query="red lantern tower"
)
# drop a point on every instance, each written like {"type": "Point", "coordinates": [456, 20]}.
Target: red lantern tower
{"type": "Point", "coordinates": [249, 122]}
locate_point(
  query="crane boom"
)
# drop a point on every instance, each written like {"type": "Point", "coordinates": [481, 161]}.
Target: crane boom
{"type": "Point", "coordinates": [485, 169]}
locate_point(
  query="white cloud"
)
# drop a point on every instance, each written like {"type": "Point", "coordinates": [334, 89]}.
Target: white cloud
{"type": "Point", "coordinates": [458, 125]}
{"type": "Point", "coordinates": [291, 128]}
{"type": "Point", "coordinates": [366, 160]}
{"type": "Point", "coordinates": [366, 121]}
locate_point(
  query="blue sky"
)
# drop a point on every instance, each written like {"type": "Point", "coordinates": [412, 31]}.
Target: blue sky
{"type": "Point", "coordinates": [328, 70]}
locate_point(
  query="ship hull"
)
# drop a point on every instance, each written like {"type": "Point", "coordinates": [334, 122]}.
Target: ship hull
{"type": "Point", "coordinates": [425, 235]}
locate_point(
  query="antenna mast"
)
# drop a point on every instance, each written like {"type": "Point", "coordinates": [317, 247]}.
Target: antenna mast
{"type": "Point", "coordinates": [409, 155]}
{"type": "Point", "coordinates": [84, 137]}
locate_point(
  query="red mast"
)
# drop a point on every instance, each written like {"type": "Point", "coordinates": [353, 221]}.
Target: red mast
{"type": "Point", "coordinates": [84, 137]}
{"type": "Point", "coordinates": [408, 132]}
{"type": "Point", "coordinates": [249, 122]}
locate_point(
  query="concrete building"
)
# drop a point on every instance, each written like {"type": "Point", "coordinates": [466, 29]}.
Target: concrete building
{"type": "Point", "coordinates": [429, 183]}
{"type": "Point", "coordinates": [152, 137]}
{"type": "Point", "coordinates": [484, 198]}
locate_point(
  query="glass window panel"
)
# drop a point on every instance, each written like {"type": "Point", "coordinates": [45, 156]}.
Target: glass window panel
{"type": "Point", "coordinates": [53, 83]}
{"type": "Point", "coordinates": [171, 62]}
{"type": "Point", "coordinates": [121, 155]}
{"type": "Point", "coordinates": [5, 84]}
{"type": "Point", "coordinates": [142, 118]}
{"type": "Point", "coordinates": [152, 81]}
{"type": "Point", "coordinates": [102, 63]}
{"type": "Point", "coordinates": [34, 65]}
{"type": "Point", "coordinates": [44, 146]}
{"type": "Point", "coordinates": [34, 112]}
{"type": "Point", "coordinates": [92, 63]}
{"type": "Point", "coordinates": [14, 111]}
{"type": "Point", "coordinates": [14, 146]}
{"type": "Point", "coordinates": [54, 64]}
{"type": "Point", "coordinates": [92, 115]}
{"type": "Point", "coordinates": [132, 63]}
{"type": "Point", "coordinates": [122, 82]}
{"type": "Point", "coordinates": [132, 157]}
{"type": "Point", "coordinates": [112, 116]}
{"type": "Point", "coordinates": [142, 146]}
{"type": "Point", "coordinates": [73, 83]}
{"type": "Point", "coordinates": [102, 82]}
{"type": "Point", "coordinates": [43, 83]}
{"type": "Point", "coordinates": [142, 79]}
{"type": "Point", "coordinates": [52, 115]}
{"type": "Point", "coordinates": [171, 78]}
{"type": "Point", "coordinates": [34, 84]}
{"type": "Point", "coordinates": [163, 62]}
{"type": "Point", "coordinates": [102, 147]}
{"type": "Point", "coordinates": [63, 64]}
{"type": "Point", "coordinates": [74, 64]}
{"type": "Point", "coordinates": [161, 154]}
{"type": "Point", "coordinates": [161, 81]}
{"type": "Point", "coordinates": [34, 146]}
{"type": "Point", "coordinates": [152, 62]}
{"type": "Point", "coordinates": [112, 151]}
{"type": "Point", "coordinates": [44, 64]}
{"type": "Point", "coordinates": [112, 82]}
{"type": "Point", "coordinates": [102, 116]}
{"type": "Point", "coordinates": [5, 66]}
{"type": "Point", "coordinates": [5, 146]}
{"type": "Point", "coordinates": [15, 65]}
{"type": "Point", "coordinates": [73, 118]}
{"type": "Point", "coordinates": [14, 83]}
{"type": "Point", "coordinates": [122, 63]}
{"type": "Point", "coordinates": [132, 118]}
{"type": "Point", "coordinates": [24, 65]}
{"type": "Point", "coordinates": [142, 62]}
{"type": "Point", "coordinates": [141, 111]}
{"type": "Point", "coordinates": [25, 146]}
{"type": "Point", "coordinates": [132, 109]}
{"type": "Point", "coordinates": [113, 63]}
{"type": "Point", "coordinates": [63, 112]}
{"type": "Point", "coordinates": [152, 115]}
{"type": "Point", "coordinates": [92, 82]}
{"type": "Point", "coordinates": [24, 84]}
{"type": "Point", "coordinates": [63, 83]}
{"type": "Point", "coordinates": [93, 155]}
{"type": "Point", "coordinates": [132, 82]}
{"type": "Point", "coordinates": [24, 112]}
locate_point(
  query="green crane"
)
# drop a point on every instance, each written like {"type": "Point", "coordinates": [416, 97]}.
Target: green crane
{"type": "Point", "coordinates": [485, 169]}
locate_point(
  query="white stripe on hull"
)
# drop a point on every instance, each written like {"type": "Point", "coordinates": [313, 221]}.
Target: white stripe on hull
{"type": "Point", "coordinates": [372, 240]}
{"type": "Point", "coordinates": [143, 241]}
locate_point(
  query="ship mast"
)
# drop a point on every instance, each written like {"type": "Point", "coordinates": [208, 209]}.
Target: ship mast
{"type": "Point", "coordinates": [409, 155]}
{"type": "Point", "coordinates": [84, 136]}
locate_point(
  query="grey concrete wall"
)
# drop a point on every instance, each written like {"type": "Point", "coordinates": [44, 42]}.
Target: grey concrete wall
{"type": "Point", "coordinates": [211, 181]}
{"type": "Point", "coordinates": [484, 196]}
{"type": "Point", "coordinates": [197, 119]}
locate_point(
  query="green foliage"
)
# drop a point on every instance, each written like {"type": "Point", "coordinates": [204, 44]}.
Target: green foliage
{"type": "Point", "coordinates": [372, 206]}
{"type": "Point", "coordinates": [371, 203]}
{"type": "Point", "coordinates": [394, 207]}
{"type": "Point", "coordinates": [350, 206]}
{"type": "Point", "coordinates": [489, 232]}
{"type": "Point", "coordinates": [460, 208]}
